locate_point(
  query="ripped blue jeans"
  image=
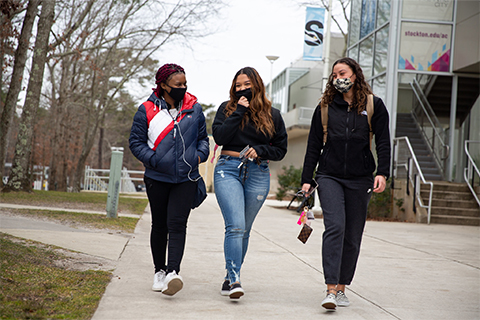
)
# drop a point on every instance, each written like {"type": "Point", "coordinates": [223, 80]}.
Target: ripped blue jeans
{"type": "Point", "coordinates": [240, 190]}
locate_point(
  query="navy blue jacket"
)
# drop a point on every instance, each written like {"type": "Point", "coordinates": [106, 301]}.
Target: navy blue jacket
{"type": "Point", "coordinates": [175, 158]}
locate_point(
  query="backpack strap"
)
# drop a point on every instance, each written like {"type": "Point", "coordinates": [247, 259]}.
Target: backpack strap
{"type": "Point", "coordinates": [370, 110]}
{"type": "Point", "coordinates": [324, 113]}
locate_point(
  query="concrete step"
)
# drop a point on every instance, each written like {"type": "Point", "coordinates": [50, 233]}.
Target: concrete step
{"type": "Point", "coordinates": [458, 204]}
{"type": "Point", "coordinates": [455, 220]}
{"type": "Point", "coordinates": [456, 212]}
{"type": "Point", "coordinates": [448, 186]}
{"type": "Point", "coordinates": [433, 177]}
{"type": "Point", "coordinates": [446, 195]}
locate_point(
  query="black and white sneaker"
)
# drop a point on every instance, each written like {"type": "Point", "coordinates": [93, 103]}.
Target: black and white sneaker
{"type": "Point", "coordinates": [225, 288]}
{"type": "Point", "coordinates": [236, 291]}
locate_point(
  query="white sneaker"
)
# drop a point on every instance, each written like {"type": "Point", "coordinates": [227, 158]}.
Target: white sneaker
{"type": "Point", "coordinates": [159, 281]}
{"type": "Point", "coordinates": [330, 302]}
{"type": "Point", "coordinates": [342, 300]}
{"type": "Point", "coordinates": [173, 283]}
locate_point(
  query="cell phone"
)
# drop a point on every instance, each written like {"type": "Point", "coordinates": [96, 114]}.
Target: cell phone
{"type": "Point", "coordinates": [312, 189]}
{"type": "Point", "coordinates": [244, 151]}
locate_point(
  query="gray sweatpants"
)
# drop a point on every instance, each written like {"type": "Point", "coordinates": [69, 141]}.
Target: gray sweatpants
{"type": "Point", "coordinates": [344, 203]}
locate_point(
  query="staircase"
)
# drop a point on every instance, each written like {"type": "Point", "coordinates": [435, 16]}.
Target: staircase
{"type": "Point", "coordinates": [440, 96]}
{"type": "Point", "coordinates": [452, 203]}
{"type": "Point", "coordinates": [406, 126]}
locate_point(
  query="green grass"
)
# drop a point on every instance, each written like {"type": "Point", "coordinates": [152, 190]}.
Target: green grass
{"type": "Point", "coordinates": [33, 287]}
{"type": "Point", "coordinates": [81, 200]}
{"type": "Point", "coordinates": [74, 219]}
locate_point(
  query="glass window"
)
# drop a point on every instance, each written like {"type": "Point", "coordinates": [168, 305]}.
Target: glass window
{"type": "Point", "coordinates": [379, 87]}
{"type": "Point", "coordinates": [366, 56]}
{"type": "Point", "coordinates": [353, 53]}
{"type": "Point", "coordinates": [381, 47]}
{"type": "Point", "coordinates": [368, 17]}
{"type": "Point", "coordinates": [355, 21]}
{"type": "Point", "coordinates": [383, 12]}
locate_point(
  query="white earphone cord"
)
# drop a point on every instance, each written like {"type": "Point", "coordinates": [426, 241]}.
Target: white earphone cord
{"type": "Point", "coordinates": [183, 155]}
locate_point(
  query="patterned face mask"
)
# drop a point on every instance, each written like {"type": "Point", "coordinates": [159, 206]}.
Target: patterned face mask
{"type": "Point", "coordinates": [343, 85]}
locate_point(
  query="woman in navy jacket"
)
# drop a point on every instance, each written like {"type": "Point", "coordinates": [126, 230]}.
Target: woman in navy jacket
{"type": "Point", "coordinates": [169, 137]}
{"type": "Point", "coordinates": [345, 167]}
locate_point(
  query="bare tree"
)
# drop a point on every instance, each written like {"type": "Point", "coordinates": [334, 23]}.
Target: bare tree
{"type": "Point", "coordinates": [18, 69]}
{"type": "Point", "coordinates": [19, 178]}
{"type": "Point", "coordinates": [117, 46]}
{"type": "Point", "coordinates": [337, 18]}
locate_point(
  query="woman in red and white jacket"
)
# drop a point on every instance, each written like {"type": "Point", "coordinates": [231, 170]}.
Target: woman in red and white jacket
{"type": "Point", "coordinates": [169, 137]}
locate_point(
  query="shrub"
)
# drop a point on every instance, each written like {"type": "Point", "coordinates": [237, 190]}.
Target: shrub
{"type": "Point", "coordinates": [289, 180]}
{"type": "Point", "coordinates": [380, 204]}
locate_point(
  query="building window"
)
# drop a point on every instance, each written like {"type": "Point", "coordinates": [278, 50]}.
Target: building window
{"type": "Point", "coordinates": [353, 53]}
{"type": "Point", "coordinates": [383, 12]}
{"type": "Point", "coordinates": [381, 48]}
{"type": "Point", "coordinates": [368, 17]}
{"type": "Point", "coordinates": [379, 86]}
{"type": "Point", "coordinates": [366, 56]}
{"type": "Point", "coordinates": [355, 21]}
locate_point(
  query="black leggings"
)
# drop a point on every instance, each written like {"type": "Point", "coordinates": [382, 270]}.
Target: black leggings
{"type": "Point", "coordinates": [170, 204]}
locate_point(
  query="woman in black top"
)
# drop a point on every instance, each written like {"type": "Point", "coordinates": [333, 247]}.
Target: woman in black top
{"type": "Point", "coordinates": [251, 133]}
{"type": "Point", "coordinates": [345, 171]}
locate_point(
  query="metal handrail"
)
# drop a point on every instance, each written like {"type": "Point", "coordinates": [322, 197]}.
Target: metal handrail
{"type": "Point", "coordinates": [435, 123]}
{"type": "Point", "coordinates": [396, 142]}
{"type": "Point", "coordinates": [468, 172]}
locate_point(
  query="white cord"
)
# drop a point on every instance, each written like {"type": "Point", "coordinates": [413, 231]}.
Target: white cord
{"type": "Point", "coordinates": [183, 155]}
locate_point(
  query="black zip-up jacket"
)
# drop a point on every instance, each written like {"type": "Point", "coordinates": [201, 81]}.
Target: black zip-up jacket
{"type": "Point", "coordinates": [347, 151]}
{"type": "Point", "coordinates": [228, 133]}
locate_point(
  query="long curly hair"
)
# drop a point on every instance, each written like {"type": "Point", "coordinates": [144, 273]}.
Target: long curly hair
{"type": "Point", "coordinates": [260, 107]}
{"type": "Point", "coordinates": [164, 73]}
{"type": "Point", "coordinates": [361, 89]}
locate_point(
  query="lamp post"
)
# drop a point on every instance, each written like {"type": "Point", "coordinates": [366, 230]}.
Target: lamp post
{"type": "Point", "coordinates": [272, 60]}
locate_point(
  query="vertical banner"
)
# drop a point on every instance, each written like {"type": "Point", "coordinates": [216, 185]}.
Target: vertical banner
{"type": "Point", "coordinates": [313, 38]}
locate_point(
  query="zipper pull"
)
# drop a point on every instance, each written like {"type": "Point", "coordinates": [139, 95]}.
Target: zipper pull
{"type": "Point", "coordinates": [174, 132]}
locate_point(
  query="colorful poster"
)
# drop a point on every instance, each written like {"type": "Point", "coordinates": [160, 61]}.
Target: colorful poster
{"type": "Point", "coordinates": [313, 35]}
{"type": "Point", "coordinates": [425, 47]}
{"type": "Point", "coordinates": [436, 10]}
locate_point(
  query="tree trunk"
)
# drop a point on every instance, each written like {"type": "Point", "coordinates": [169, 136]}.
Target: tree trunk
{"type": "Point", "coordinates": [16, 81]}
{"type": "Point", "coordinates": [19, 178]}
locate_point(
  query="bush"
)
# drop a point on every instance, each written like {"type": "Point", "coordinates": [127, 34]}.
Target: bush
{"type": "Point", "coordinates": [380, 204]}
{"type": "Point", "coordinates": [289, 180]}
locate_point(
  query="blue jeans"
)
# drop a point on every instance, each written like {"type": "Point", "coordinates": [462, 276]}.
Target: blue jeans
{"type": "Point", "coordinates": [241, 192]}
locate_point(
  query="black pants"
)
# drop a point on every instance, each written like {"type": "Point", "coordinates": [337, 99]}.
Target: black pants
{"type": "Point", "coordinates": [344, 203]}
{"type": "Point", "coordinates": [170, 204]}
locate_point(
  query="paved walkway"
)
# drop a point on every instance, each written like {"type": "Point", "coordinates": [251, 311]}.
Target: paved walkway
{"type": "Point", "coordinates": [405, 271]}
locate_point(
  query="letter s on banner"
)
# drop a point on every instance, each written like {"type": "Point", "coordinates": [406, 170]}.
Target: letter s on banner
{"type": "Point", "coordinates": [313, 35]}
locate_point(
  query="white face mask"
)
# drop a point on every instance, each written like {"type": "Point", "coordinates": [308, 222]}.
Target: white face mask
{"type": "Point", "coordinates": [343, 85]}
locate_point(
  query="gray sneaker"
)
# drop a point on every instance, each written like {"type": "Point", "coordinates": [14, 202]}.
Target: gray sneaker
{"type": "Point", "coordinates": [330, 302]}
{"type": "Point", "coordinates": [342, 300]}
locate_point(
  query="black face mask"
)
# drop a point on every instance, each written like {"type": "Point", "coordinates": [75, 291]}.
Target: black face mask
{"type": "Point", "coordinates": [247, 93]}
{"type": "Point", "coordinates": [177, 94]}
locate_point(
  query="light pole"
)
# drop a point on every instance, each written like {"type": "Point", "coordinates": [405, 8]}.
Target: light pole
{"type": "Point", "coordinates": [272, 60]}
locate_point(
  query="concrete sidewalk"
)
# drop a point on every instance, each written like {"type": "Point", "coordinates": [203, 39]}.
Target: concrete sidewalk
{"type": "Point", "coordinates": [405, 271]}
